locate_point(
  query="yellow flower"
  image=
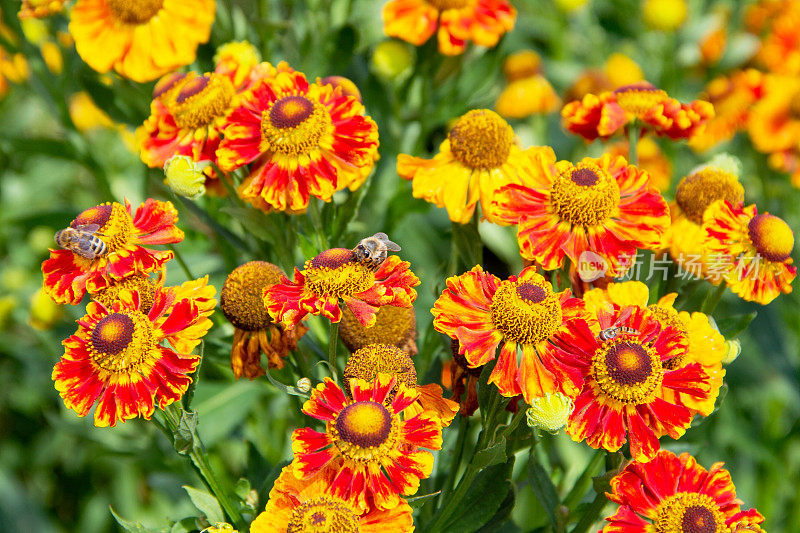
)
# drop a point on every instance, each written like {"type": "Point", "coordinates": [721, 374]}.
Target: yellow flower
{"type": "Point", "coordinates": [236, 60]}
{"type": "Point", "coordinates": [665, 15]}
{"type": "Point", "coordinates": [391, 59]}
{"type": "Point", "coordinates": [550, 412]}
{"type": "Point", "coordinates": [185, 176]}
{"type": "Point", "coordinates": [522, 64]}
{"type": "Point", "coordinates": [622, 70]}
{"type": "Point", "coordinates": [570, 5]}
{"type": "Point", "coordinates": [85, 114]}
{"type": "Point", "coordinates": [527, 96]}
{"type": "Point", "coordinates": [44, 311]}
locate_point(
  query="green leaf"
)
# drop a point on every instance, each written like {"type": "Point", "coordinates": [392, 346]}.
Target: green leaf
{"type": "Point", "coordinates": [185, 434]}
{"type": "Point", "coordinates": [732, 326]}
{"type": "Point", "coordinates": [502, 514]}
{"type": "Point", "coordinates": [484, 498]}
{"type": "Point", "coordinates": [134, 527]}
{"type": "Point", "coordinates": [206, 503]}
{"type": "Point", "coordinates": [223, 406]}
{"type": "Point", "coordinates": [187, 525]}
{"type": "Point", "coordinates": [543, 487]}
{"type": "Point", "coordinates": [490, 456]}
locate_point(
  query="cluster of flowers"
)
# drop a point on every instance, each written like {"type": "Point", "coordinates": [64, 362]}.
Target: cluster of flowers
{"type": "Point", "coordinates": [118, 358]}
{"type": "Point", "coordinates": [763, 98]}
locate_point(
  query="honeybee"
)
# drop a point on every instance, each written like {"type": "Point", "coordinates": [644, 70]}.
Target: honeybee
{"type": "Point", "coordinates": [372, 251]}
{"type": "Point", "coordinates": [82, 241]}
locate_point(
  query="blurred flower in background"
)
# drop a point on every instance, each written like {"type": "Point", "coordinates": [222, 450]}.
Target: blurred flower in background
{"type": "Point", "coordinates": [528, 92]}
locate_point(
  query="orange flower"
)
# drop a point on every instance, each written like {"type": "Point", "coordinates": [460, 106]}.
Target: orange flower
{"type": "Point", "coordinates": [188, 111]}
{"type": "Point", "coordinates": [780, 49]}
{"type": "Point", "coordinates": [307, 505]}
{"type": "Point", "coordinates": [733, 97]}
{"type": "Point", "coordinates": [673, 493]}
{"type": "Point", "coordinates": [478, 157]}
{"type": "Point", "coordinates": [303, 139]}
{"type": "Point", "coordinates": [367, 362]}
{"type": "Point", "coordinates": [603, 206]}
{"type": "Point", "coordinates": [757, 249]}
{"type": "Point", "coordinates": [68, 275]}
{"type": "Point", "coordinates": [40, 8]}
{"type": "Point", "coordinates": [787, 161]}
{"type": "Point", "coordinates": [774, 123]}
{"type": "Point", "coordinates": [480, 21]}
{"type": "Point", "coordinates": [627, 389]}
{"type": "Point", "coordinates": [254, 331]}
{"type": "Point", "coordinates": [375, 449]}
{"type": "Point", "coordinates": [527, 96]}
{"type": "Point", "coordinates": [143, 39]}
{"type": "Point", "coordinates": [116, 358]}
{"type": "Point", "coordinates": [335, 274]}
{"type": "Point", "coordinates": [606, 114]}
{"type": "Point", "coordinates": [704, 344]}
{"type": "Point", "coordinates": [482, 312]}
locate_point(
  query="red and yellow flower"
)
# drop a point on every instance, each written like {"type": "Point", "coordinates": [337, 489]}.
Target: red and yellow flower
{"type": "Point", "coordinates": [376, 453]}
{"type": "Point", "coordinates": [520, 314]}
{"type": "Point", "coordinates": [455, 22]}
{"type": "Point", "coordinates": [780, 48]}
{"type": "Point", "coordinates": [40, 8]}
{"type": "Point", "coordinates": [674, 493]}
{"type": "Point", "coordinates": [307, 505]}
{"type": "Point", "coordinates": [600, 205]}
{"type": "Point", "coordinates": [607, 113]}
{"type": "Point", "coordinates": [188, 111]}
{"type": "Point", "coordinates": [367, 362]}
{"type": "Point", "coordinates": [774, 122]}
{"type": "Point", "coordinates": [241, 301]}
{"type": "Point", "coordinates": [651, 159]}
{"type": "Point", "coordinates": [303, 139]}
{"type": "Point", "coordinates": [628, 392]}
{"type": "Point", "coordinates": [141, 40]}
{"type": "Point", "coordinates": [757, 248]}
{"type": "Point", "coordinates": [733, 97]}
{"type": "Point", "coordinates": [704, 344]}
{"type": "Point", "coordinates": [333, 275]}
{"type": "Point", "coordinates": [117, 359]}
{"type": "Point", "coordinates": [478, 157]}
{"type": "Point", "coordinates": [68, 276]}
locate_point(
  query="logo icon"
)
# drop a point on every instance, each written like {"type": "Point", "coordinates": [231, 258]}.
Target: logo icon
{"type": "Point", "coordinates": [591, 266]}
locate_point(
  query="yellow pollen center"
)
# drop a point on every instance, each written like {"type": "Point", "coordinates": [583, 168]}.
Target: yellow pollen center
{"type": "Point", "coordinates": [201, 100]}
{"type": "Point", "coordinates": [364, 424]}
{"type": "Point", "coordinates": [689, 512]}
{"type": "Point", "coordinates": [393, 325]}
{"type": "Point", "coordinates": [697, 191]}
{"type": "Point", "coordinates": [335, 273]}
{"type": "Point", "coordinates": [134, 11]}
{"type": "Point", "coordinates": [639, 98]}
{"type": "Point", "coordinates": [368, 361]}
{"type": "Point", "coordinates": [294, 125]}
{"type": "Point", "coordinates": [528, 312]}
{"type": "Point", "coordinates": [325, 514]}
{"type": "Point", "coordinates": [584, 195]}
{"type": "Point", "coordinates": [121, 343]}
{"type": "Point", "coordinates": [242, 295]}
{"type": "Point", "coordinates": [772, 237]}
{"type": "Point", "coordinates": [442, 5]}
{"type": "Point", "coordinates": [116, 225]}
{"type": "Point", "coordinates": [627, 371]}
{"type": "Point", "coordinates": [140, 283]}
{"type": "Point", "coordinates": [481, 140]}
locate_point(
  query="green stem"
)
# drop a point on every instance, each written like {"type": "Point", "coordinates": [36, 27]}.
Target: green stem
{"type": "Point", "coordinates": [463, 430]}
{"type": "Point", "coordinates": [712, 298]}
{"type": "Point", "coordinates": [315, 216]}
{"type": "Point", "coordinates": [333, 342]}
{"type": "Point", "coordinates": [181, 262]}
{"type": "Point", "coordinates": [633, 143]}
{"type": "Point", "coordinates": [591, 514]}
{"type": "Point", "coordinates": [199, 459]}
{"type": "Point", "coordinates": [584, 482]}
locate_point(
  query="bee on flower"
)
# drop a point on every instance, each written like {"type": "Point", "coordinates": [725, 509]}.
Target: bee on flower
{"type": "Point", "coordinates": [96, 259]}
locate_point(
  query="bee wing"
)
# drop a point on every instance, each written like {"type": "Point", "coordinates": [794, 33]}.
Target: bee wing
{"type": "Point", "coordinates": [87, 228]}
{"type": "Point", "coordinates": [390, 246]}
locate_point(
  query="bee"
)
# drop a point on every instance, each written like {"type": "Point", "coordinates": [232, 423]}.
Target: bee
{"type": "Point", "coordinates": [82, 241]}
{"type": "Point", "coordinates": [372, 251]}
{"type": "Point", "coordinates": [610, 333]}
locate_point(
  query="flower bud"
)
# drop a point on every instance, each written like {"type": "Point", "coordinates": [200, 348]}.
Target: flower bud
{"type": "Point", "coordinates": [550, 412]}
{"type": "Point", "coordinates": [391, 60]}
{"type": "Point", "coordinates": [304, 385]}
{"type": "Point", "coordinates": [220, 527]}
{"type": "Point", "coordinates": [185, 177]}
{"type": "Point", "coordinates": [732, 350]}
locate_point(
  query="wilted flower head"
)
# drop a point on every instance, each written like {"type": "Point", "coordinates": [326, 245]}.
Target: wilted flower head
{"type": "Point", "coordinates": [393, 325]}
{"type": "Point", "coordinates": [255, 332]}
